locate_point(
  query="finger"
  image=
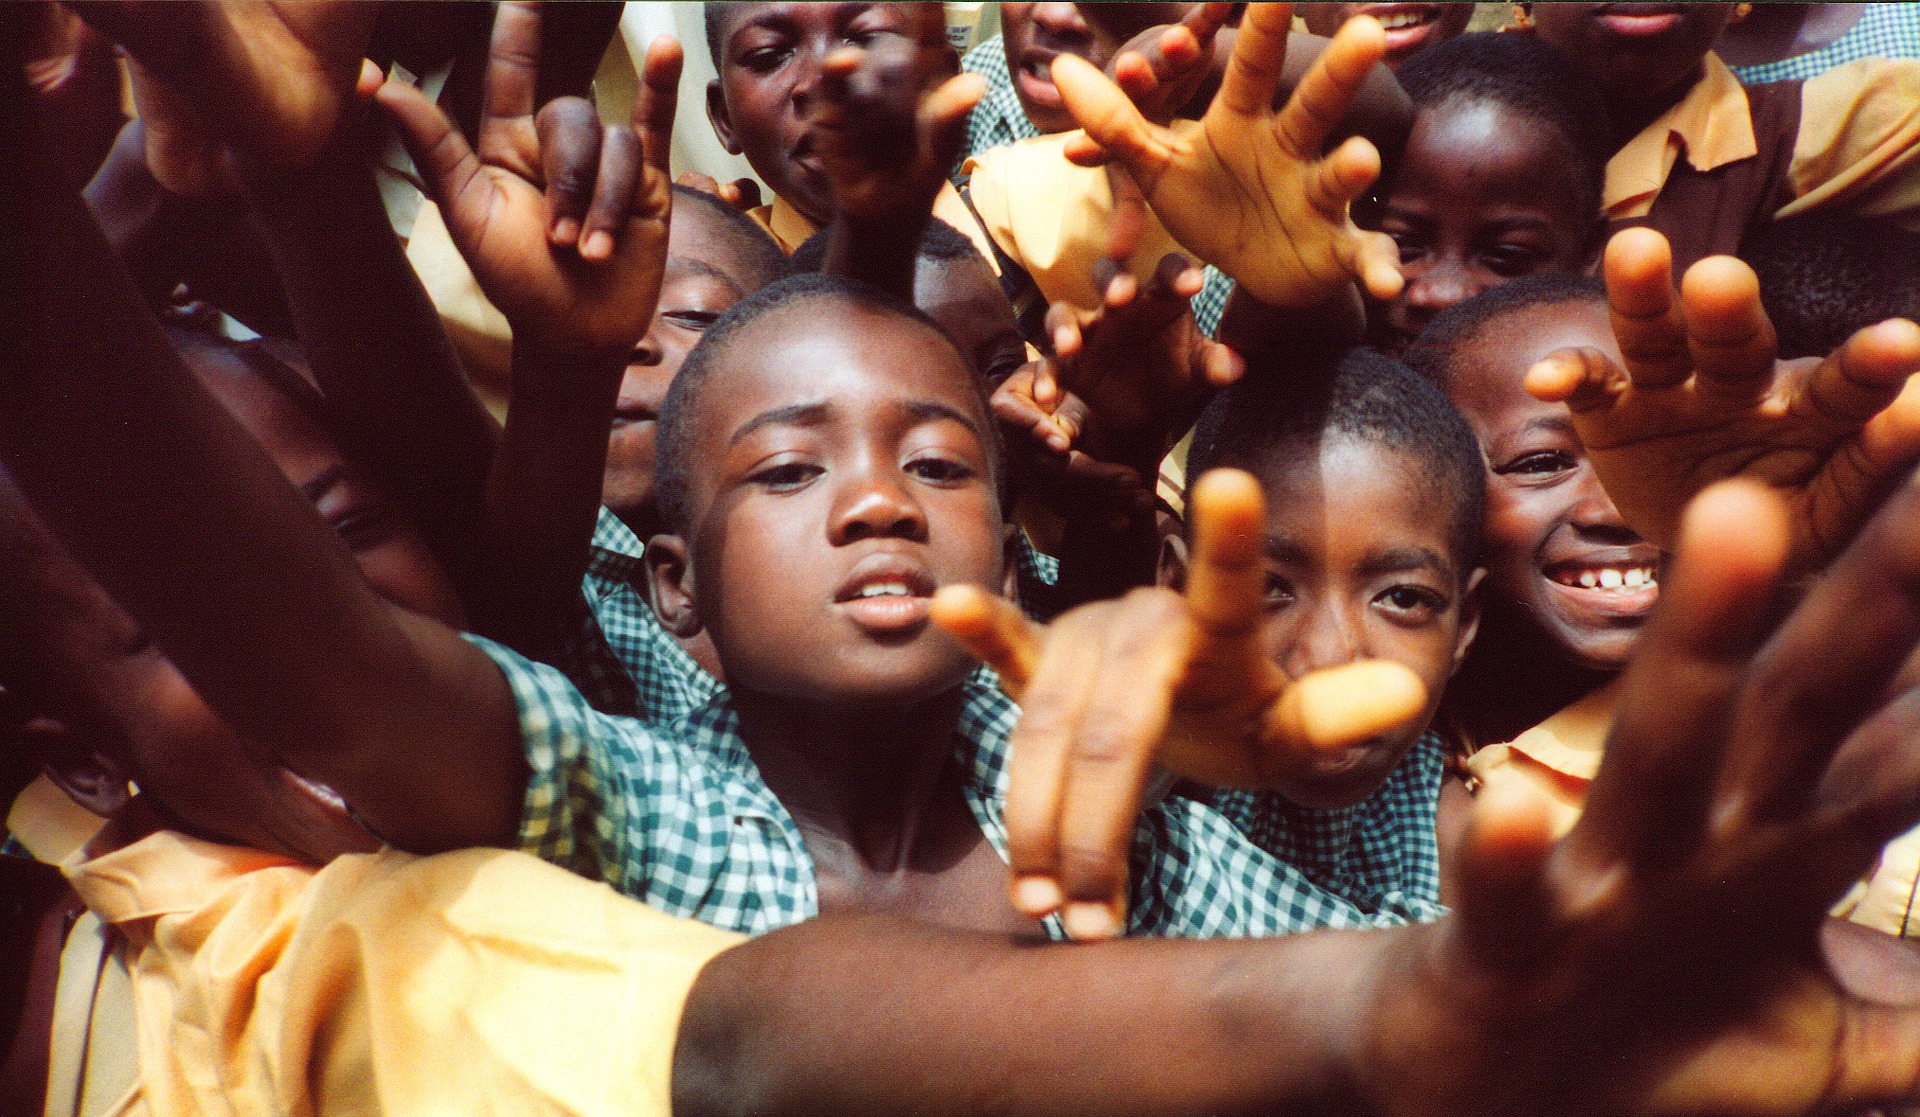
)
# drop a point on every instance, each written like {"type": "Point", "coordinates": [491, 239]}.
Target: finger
{"type": "Point", "coordinates": [570, 162]}
{"type": "Point", "coordinates": [513, 63]}
{"type": "Point", "coordinates": [745, 193]}
{"type": "Point", "coordinates": [1205, 21]}
{"type": "Point", "coordinates": [1226, 577]}
{"type": "Point", "coordinates": [1062, 324]}
{"type": "Point", "coordinates": [1259, 55]}
{"type": "Point", "coordinates": [1860, 473]}
{"type": "Point", "coordinates": [1081, 151]}
{"type": "Point", "coordinates": [1135, 77]}
{"type": "Point", "coordinates": [1880, 1061]}
{"type": "Point", "coordinates": [657, 101]}
{"type": "Point", "coordinates": [1220, 364]}
{"type": "Point", "coordinates": [1129, 220]}
{"type": "Point", "coordinates": [1342, 177]}
{"type": "Point", "coordinates": [942, 119]}
{"type": "Point", "coordinates": [992, 629]}
{"type": "Point", "coordinates": [448, 167]}
{"type": "Point", "coordinates": [1052, 707]}
{"type": "Point", "coordinates": [1340, 706]}
{"type": "Point", "coordinates": [1731, 341]}
{"type": "Point", "coordinates": [1827, 668]}
{"type": "Point", "coordinates": [1864, 375]}
{"type": "Point", "coordinates": [1374, 259]}
{"type": "Point", "coordinates": [1110, 119]}
{"type": "Point", "coordinates": [1583, 379]}
{"type": "Point", "coordinates": [1108, 765]}
{"type": "Point", "coordinates": [1328, 90]}
{"type": "Point", "coordinates": [1648, 802]}
{"type": "Point", "coordinates": [370, 78]}
{"type": "Point", "coordinates": [1870, 794]}
{"type": "Point", "coordinates": [1645, 310]}
{"type": "Point", "coordinates": [620, 172]}
{"type": "Point", "coordinates": [1504, 904]}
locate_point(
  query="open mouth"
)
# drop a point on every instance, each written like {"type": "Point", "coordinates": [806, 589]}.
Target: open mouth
{"type": "Point", "coordinates": [1035, 78]}
{"type": "Point", "coordinates": [1624, 577]}
{"type": "Point", "coordinates": [886, 595]}
{"type": "Point", "coordinates": [1606, 592]}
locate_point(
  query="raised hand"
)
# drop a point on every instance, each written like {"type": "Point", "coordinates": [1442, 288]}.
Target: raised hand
{"type": "Point", "coordinates": [1041, 454]}
{"type": "Point", "coordinates": [1245, 187]}
{"type": "Point", "coordinates": [1754, 772]}
{"type": "Point", "coordinates": [1164, 68]}
{"type": "Point", "coordinates": [1138, 364]}
{"type": "Point", "coordinates": [540, 185]}
{"type": "Point", "coordinates": [888, 124]}
{"type": "Point", "coordinates": [1158, 677]}
{"type": "Point", "coordinates": [273, 79]}
{"type": "Point", "coordinates": [1702, 398]}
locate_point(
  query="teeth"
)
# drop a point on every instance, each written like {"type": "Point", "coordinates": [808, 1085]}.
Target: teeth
{"type": "Point", "coordinates": [1588, 579]}
{"type": "Point", "coordinates": [1402, 19]}
{"type": "Point", "coordinates": [1610, 579]}
{"type": "Point", "coordinates": [884, 589]}
{"type": "Point", "coordinates": [1635, 578]}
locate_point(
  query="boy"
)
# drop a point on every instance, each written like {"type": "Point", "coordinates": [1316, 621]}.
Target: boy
{"type": "Point", "coordinates": [1371, 551]}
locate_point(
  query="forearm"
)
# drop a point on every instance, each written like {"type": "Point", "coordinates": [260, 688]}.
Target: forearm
{"type": "Point", "coordinates": [802, 1021]}
{"type": "Point", "coordinates": [879, 252]}
{"type": "Point", "coordinates": [187, 523]}
{"type": "Point", "coordinates": [544, 494]}
{"type": "Point", "coordinates": [377, 347]}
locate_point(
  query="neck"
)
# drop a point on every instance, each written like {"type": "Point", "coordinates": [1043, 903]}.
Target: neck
{"type": "Point", "coordinates": [1514, 679]}
{"type": "Point", "coordinates": [866, 779]}
{"type": "Point", "coordinates": [1631, 113]}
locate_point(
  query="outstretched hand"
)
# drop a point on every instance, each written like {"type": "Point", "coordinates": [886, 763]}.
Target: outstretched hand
{"type": "Point", "coordinates": [1245, 188]}
{"type": "Point", "coordinates": [1703, 398]}
{"type": "Point", "coordinates": [888, 123]}
{"type": "Point", "coordinates": [563, 222]}
{"type": "Point", "coordinates": [1753, 774]}
{"type": "Point", "coordinates": [1178, 680]}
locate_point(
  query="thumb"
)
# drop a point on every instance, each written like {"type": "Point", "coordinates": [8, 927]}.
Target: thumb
{"type": "Point", "coordinates": [1111, 120]}
{"type": "Point", "coordinates": [1343, 705]}
{"type": "Point", "coordinates": [446, 163]}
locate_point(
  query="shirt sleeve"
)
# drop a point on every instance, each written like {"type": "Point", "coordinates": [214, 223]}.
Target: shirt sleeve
{"type": "Point", "coordinates": [1859, 141]}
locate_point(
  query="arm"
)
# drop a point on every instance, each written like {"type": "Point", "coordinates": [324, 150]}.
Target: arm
{"type": "Point", "coordinates": [254, 599]}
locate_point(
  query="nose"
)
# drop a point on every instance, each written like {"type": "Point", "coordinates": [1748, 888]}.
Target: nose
{"type": "Point", "coordinates": [875, 503]}
{"type": "Point", "coordinates": [1434, 286]}
{"type": "Point", "coordinates": [1061, 22]}
{"type": "Point", "coordinates": [1329, 637]}
{"type": "Point", "coordinates": [1594, 516]}
{"type": "Point", "coordinates": [806, 77]}
{"type": "Point", "coordinates": [649, 351]}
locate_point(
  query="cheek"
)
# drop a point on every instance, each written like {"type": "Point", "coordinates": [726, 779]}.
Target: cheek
{"type": "Point", "coordinates": [1518, 523]}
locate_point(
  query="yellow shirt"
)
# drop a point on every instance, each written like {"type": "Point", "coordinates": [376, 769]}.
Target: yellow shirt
{"type": "Point", "coordinates": [1858, 144]}
{"type": "Point", "coordinates": [1559, 757]}
{"type": "Point", "coordinates": [483, 981]}
{"type": "Point", "coordinates": [788, 227]}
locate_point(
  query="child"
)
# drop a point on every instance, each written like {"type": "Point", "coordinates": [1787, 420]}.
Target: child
{"type": "Point", "coordinates": [1371, 551]}
{"type": "Point", "coordinates": [1709, 162]}
{"type": "Point", "coordinates": [1500, 176]}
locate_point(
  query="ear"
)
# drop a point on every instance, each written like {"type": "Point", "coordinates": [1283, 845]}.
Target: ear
{"type": "Point", "coordinates": [718, 116]}
{"type": "Point", "coordinates": [92, 779]}
{"type": "Point", "coordinates": [1469, 617]}
{"type": "Point", "coordinates": [670, 585]}
{"type": "Point", "coordinates": [1172, 569]}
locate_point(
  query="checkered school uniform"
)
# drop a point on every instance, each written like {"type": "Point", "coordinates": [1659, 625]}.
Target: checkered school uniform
{"type": "Point", "coordinates": [1883, 31]}
{"type": "Point", "coordinates": [680, 818]}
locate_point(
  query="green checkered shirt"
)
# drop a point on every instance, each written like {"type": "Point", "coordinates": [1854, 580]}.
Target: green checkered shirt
{"type": "Point", "coordinates": [680, 818]}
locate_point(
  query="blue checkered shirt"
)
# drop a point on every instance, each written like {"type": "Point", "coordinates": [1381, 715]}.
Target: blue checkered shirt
{"type": "Point", "coordinates": [680, 818]}
{"type": "Point", "coordinates": [1883, 31]}
{"type": "Point", "coordinates": [998, 118]}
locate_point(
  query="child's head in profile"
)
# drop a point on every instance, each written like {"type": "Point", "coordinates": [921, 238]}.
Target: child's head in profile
{"type": "Point", "coordinates": [1372, 541]}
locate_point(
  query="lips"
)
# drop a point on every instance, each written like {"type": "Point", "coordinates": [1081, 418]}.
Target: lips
{"type": "Point", "coordinates": [1409, 27]}
{"type": "Point", "coordinates": [1638, 20]}
{"type": "Point", "coordinates": [1035, 77]}
{"type": "Point", "coordinates": [1606, 586]}
{"type": "Point", "coordinates": [886, 594]}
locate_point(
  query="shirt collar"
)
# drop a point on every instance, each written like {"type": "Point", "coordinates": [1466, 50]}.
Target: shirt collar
{"type": "Point", "coordinates": [788, 225]}
{"type": "Point", "coordinates": [1712, 126]}
{"type": "Point", "coordinates": [615, 551]}
{"type": "Point", "coordinates": [163, 873]}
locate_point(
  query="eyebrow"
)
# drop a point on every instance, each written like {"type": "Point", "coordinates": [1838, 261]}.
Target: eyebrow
{"type": "Point", "coordinates": [927, 410]}
{"type": "Point", "coordinates": [325, 483]}
{"type": "Point", "coordinates": [1560, 423]}
{"type": "Point", "coordinates": [1398, 560]}
{"type": "Point", "coordinates": [793, 415]}
{"type": "Point", "coordinates": [701, 267]}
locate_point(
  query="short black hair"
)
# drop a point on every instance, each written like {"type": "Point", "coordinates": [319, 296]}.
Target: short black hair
{"type": "Point", "coordinates": [716, 28]}
{"type": "Point", "coordinates": [941, 242]}
{"type": "Point", "coordinates": [1531, 77]}
{"type": "Point", "coordinates": [1368, 396]}
{"type": "Point", "coordinates": [754, 248]}
{"type": "Point", "coordinates": [673, 446]}
{"type": "Point", "coordinates": [1824, 276]}
{"type": "Point", "coordinates": [1432, 353]}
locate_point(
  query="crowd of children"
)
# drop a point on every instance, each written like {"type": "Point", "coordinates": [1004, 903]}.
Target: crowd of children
{"type": "Point", "coordinates": [1428, 513]}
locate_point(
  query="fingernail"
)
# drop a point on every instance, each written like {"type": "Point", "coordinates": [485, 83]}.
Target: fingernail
{"type": "Point", "coordinates": [566, 230]}
{"type": "Point", "coordinates": [1086, 921]}
{"type": "Point", "coordinates": [598, 245]}
{"type": "Point", "coordinates": [1037, 896]}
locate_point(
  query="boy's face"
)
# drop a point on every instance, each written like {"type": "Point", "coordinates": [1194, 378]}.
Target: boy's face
{"type": "Point", "coordinates": [391, 553]}
{"type": "Point", "coordinates": [700, 284]}
{"type": "Point", "coordinates": [964, 296]}
{"type": "Point", "coordinates": [1482, 197]}
{"type": "Point", "coordinates": [1556, 547]}
{"type": "Point", "coordinates": [1634, 52]}
{"type": "Point", "coordinates": [1360, 565]}
{"type": "Point", "coordinates": [838, 474]}
{"type": "Point", "coordinates": [1411, 28]}
{"type": "Point", "coordinates": [770, 69]}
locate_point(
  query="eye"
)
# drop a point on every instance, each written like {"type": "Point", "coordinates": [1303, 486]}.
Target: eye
{"type": "Point", "coordinates": [940, 470]}
{"type": "Point", "coordinates": [765, 59]}
{"type": "Point", "coordinates": [693, 321]}
{"type": "Point", "coordinates": [783, 477]}
{"type": "Point", "coordinates": [1278, 592]}
{"type": "Point", "coordinates": [1412, 245]}
{"type": "Point", "coordinates": [1410, 605]}
{"type": "Point", "coordinates": [364, 527]}
{"type": "Point", "coordinates": [1539, 464]}
{"type": "Point", "coordinates": [1513, 260]}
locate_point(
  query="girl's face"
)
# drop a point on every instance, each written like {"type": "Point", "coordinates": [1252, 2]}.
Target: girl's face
{"type": "Point", "coordinates": [1482, 196]}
